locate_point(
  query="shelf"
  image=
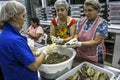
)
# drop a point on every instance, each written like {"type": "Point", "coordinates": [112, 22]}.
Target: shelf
{"type": "Point", "coordinates": [108, 59]}
{"type": "Point", "coordinates": [109, 54]}
{"type": "Point", "coordinates": [109, 41]}
{"type": "Point", "coordinates": [107, 63]}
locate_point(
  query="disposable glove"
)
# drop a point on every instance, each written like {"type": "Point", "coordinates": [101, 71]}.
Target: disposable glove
{"type": "Point", "coordinates": [49, 49]}
{"type": "Point", "coordinates": [67, 44]}
{"type": "Point", "coordinates": [53, 39]}
{"type": "Point", "coordinates": [57, 40]}
{"type": "Point", "coordinates": [73, 40]}
{"type": "Point", "coordinates": [73, 44]}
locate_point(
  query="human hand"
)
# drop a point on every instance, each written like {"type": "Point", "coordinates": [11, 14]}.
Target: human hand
{"type": "Point", "coordinates": [49, 49]}
{"type": "Point", "coordinates": [73, 40]}
{"type": "Point", "coordinates": [53, 39]}
{"type": "Point", "coordinates": [69, 42]}
{"type": "Point", "coordinates": [73, 44]}
{"type": "Point", "coordinates": [57, 40]}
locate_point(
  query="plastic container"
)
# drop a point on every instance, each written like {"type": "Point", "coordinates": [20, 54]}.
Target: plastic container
{"type": "Point", "coordinates": [118, 78]}
{"type": "Point", "coordinates": [74, 70]}
{"type": "Point", "coordinates": [52, 71]}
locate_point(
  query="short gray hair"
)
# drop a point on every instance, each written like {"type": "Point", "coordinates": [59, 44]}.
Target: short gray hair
{"type": "Point", "coordinates": [62, 2]}
{"type": "Point", "coordinates": [9, 9]}
{"type": "Point", "coordinates": [95, 4]}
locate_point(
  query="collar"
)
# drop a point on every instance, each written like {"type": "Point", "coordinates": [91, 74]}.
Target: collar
{"type": "Point", "coordinates": [11, 28]}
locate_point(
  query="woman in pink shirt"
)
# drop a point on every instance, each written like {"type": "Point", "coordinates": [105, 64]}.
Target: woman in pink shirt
{"type": "Point", "coordinates": [35, 31]}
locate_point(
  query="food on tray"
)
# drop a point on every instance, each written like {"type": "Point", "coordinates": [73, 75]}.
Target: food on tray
{"type": "Point", "coordinates": [55, 58]}
{"type": "Point", "coordinates": [88, 73]}
{"type": "Point", "coordinates": [103, 76]}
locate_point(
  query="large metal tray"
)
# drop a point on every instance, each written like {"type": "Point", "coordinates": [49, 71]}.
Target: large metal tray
{"type": "Point", "coordinates": [97, 68]}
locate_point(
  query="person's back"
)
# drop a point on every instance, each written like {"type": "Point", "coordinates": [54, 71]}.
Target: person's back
{"type": "Point", "coordinates": [9, 55]}
{"type": "Point", "coordinates": [15, 54]}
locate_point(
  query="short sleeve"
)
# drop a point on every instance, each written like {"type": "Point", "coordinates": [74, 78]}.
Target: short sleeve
{"type": "Point", "coordinates": [53, 21]}
{"type": "Point", "coordinates": [103, 29]}
{"type": "Point", "coordinates": [73, 21]}
{"type": "Point", "coordinates": [78, 24]}
{"type": "Point", "coordinates": [22, 52]}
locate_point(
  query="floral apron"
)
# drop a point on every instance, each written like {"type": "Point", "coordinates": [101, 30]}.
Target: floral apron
{"type": "Point", "coordinates": [62, 31]}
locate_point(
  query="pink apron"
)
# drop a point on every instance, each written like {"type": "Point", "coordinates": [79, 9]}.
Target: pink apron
{"type": "Point", "coordinates": [89, 53]}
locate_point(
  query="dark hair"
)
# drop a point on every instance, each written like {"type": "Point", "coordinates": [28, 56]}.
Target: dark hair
{"type": "Point", "coordinates": [36, 20]}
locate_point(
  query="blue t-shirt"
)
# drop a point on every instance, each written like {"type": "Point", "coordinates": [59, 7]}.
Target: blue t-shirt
{"type": "Point", "coordinates": [102, 28]}
{"type": "Point", "coordinates": [15, 55]}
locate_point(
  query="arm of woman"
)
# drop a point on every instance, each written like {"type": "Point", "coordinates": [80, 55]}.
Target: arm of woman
{"type": "Point", "coordinates": [52, 30]}
{"type": "Point", "coordinates": [98, 39]}
{"type": "Point", "coordinates": [35, 65]}
{"type": "Point", "coordinates": [101, 33]}
{"type": "Point", "coordinates": [35, 36]}
{"type": "Point", "coordinates": [39, 32]}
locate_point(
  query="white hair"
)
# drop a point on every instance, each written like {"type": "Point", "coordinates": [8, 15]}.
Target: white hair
{"type": "Point", "coordinates": [94, 3]}
{"type": "Point", "coordinates": [9, 9]}
{"type": "Point", "coordinates": [62, 2]}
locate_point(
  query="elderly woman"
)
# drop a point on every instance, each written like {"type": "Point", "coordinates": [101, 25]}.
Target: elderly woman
{"type": "Point", "coordinates": [62, 28]}
{"type": "Point", "coordinates": [90, 34]}
{"type": "Point", "coordinates": [17, 60]}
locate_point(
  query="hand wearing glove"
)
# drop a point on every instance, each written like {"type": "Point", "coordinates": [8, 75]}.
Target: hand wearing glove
{"type": "Point", "coordinates": [73, 43]}
{"type": "Point", "coordinates": [57, 40]}
{"type": "Point", "coordinates": [53, 39]}
{"type": "Point", "coordinates": [67, 44]}
{"type": "Point", "coordinates": [49, 49]}
{"type": "Point", "coordinates": [73, 40]}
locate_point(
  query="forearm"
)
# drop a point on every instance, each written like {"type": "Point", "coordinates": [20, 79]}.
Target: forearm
{"type": "Point", "coordinates": [90, 43]}
{"type": "Point", "coordinates": [35, 36]}
{"type": "Point", "coordinates": [35, 65]}
{"type": "Point", "coordinates": [30, 35]}
{"type": "Point", "coordinates": [67, 39]}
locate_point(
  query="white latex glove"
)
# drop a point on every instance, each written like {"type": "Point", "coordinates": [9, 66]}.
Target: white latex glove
{"type": "Point", "coordinates": [67, 44]}
{"type": "Point", "coordinates": [57, 40]}
{"type": "Point", "coordinates": [53, 39]}
{"type": "Point", "coordinates": [49, 49]}
{"type": "Point", "coordinates": [73, 44]}
{"type": "Point", "coordinates": [73, 40]}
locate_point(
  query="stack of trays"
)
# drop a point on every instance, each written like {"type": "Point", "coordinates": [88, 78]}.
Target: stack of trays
{"type": "Point", "coordinates": [41, 13]}
{"type": "Point", "coordinates": [114, 12]}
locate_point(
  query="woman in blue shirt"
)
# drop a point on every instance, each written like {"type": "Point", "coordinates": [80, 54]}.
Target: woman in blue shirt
{"type": "Point", "coordinates": [17, 60]}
